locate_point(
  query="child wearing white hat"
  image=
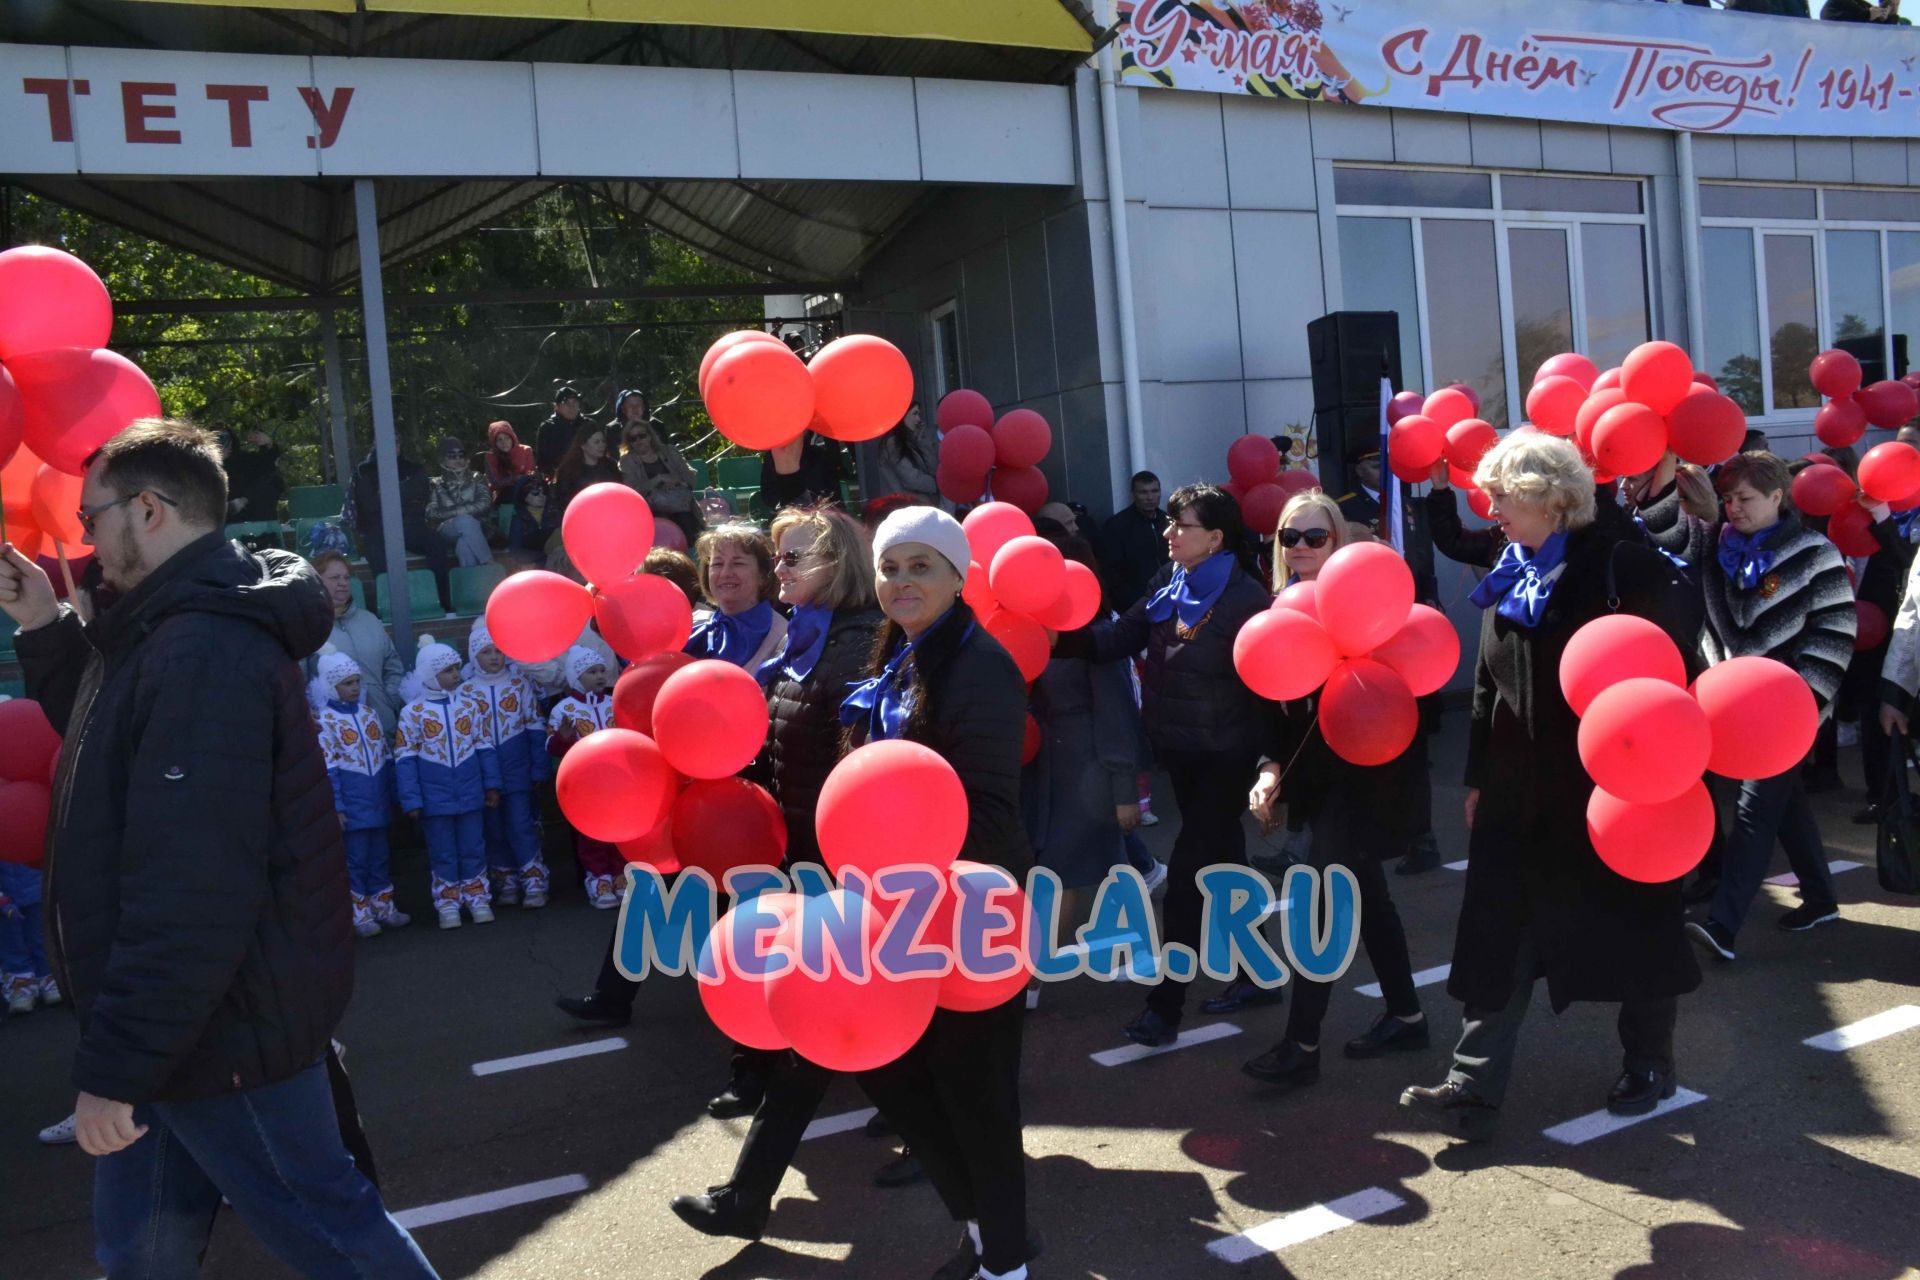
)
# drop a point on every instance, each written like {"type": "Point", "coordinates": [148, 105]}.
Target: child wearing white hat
{"type": "Point", "coordinates": [447, 776]}
{"type": "Point", "coordinates": [360, 767]}
{"type": "Point", "coordinates": [510, 720]}
{"type": "Point", "coordinates": [588, 708]}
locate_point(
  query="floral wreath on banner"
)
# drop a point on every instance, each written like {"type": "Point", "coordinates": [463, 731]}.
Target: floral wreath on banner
{"type": "Point", "coordinates": [1250, 38]}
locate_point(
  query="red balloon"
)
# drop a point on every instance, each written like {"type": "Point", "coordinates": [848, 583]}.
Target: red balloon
{"type": "Point", "coordinates": [1298, 480]}
{"type": "Point", "coordinates": [50, 299]}
{"type": "Point", "coordinates": [1426, 651]}
{"type": "Point", "coordinates": [1706, 429]}
{"type": "Point", "coordinates": [759, 395]}
{"type": "Point", "coordinates": [1656, 374]}
{"type": "Point", "coordinates": [1262, 507]}
{"type": "Point", "coordinates": [1705, 379]}
{"type": "Point", "coordinates": [1870, 625]}
{"type": "Point", "coordinates": [710, 718]}
{"type": "Point", "coordinates": [1300, 598]}
{"type": "Point", "coordinates": [1763, 717]}
{"type": "Point", "coordinates": [643, 614]}
{"type": "Point", "coordinates": [27, 741]}
{"type": "Point", "coordinates": [1569, 364]}
{"type": "Point", "coordinates": [1448, 406]}
{"type": "Point", "coordinates": [963, 408]}
{"type": "Point", "coordinates": [726, 343]}
{"type": "Point", "coordinates": [669, 535]}
{"type": "Point", "coordinates": [957, 486]}
{"type": "Point", "coordinates": [991, 526]}
{"type": "Point", "coordinates": [1416, 442]}
{"type": "Point", "coordinates": [1030, 741]}
{"type": "Point", "coordinates": [968, 451]}
{"type": "Point", "coordinates": [737, 1001]}
{"type": "Point", "coordinates": [1003, 894]}
{"type": "Point", "coordinates": [1597, 403]}
{"type": "Point", "coordinates": [1466, 389]}
{"type": "Point", "coordinates": [614, 785]}
{"type": "Point", "coordinates": [1629, 438]}
{"type": "Point", "coordinates": [1835, 374]}
{"type": "Point", "coordinates": [78, 400]}
{"type": "Point", "coordinates": [1468, 441]}
{"type": "Point", "coordinates": [1028, 575]}
{"type": "Point", "coordinates": [1253, 460]}
{"type": "Point", "coordinates": [56, 506]}
{"type": "Point", "coordinates": [1890, 472]}
{"type": "Point", "coordinates": [1364, 594]}
{"type": "Point", "coordinates": [1021, 439]}
{"type": "Point", "coordinates": [1613, 648]}
{"type": "Point", "coordinates": [1821, 491]}
{"type": "Point", "coordinates": [16, 489]}
{"type": "Point", "coordinates": [1024, 640]}
{"type": "Point", "coordinates": [1851, 529]}
{"type": "Point", "coordinates": [608, 529]}
{"type": "Point", "coordinates": [639, 685]}
{"type": "Point", "coordinates": [1608, 381]}
{"type": "Point", "coordinates": [23, 822]}
{"type": "Point", "coordinates": [1888, 404]}
{"type": "Point", "coordinates": [1283, 654]}
{"type": "Point", "coordinates": [718, 824]}
{"type": "Point", "coordinates": [1645, 740]}
{"type": "Point", "coordinates": [1554, 404]}
{"type": "Point", "coordinates": [834, 1021]}
{"type": "Point", "coordinates": [1238, 492]}
{"type": "Point", "coordinates": [1840, 423]}
{"type": "Point", "coordinates": [1078, 602]}
{"type": "Point", "coordinates": [536, 616]}
{"type": "Point", "coordinates": [1819, 459]}
{"type": "Point", "coordinates": [654, 849]}
{"type": "Point", "coordinates": [1024, 487]}
{"type": "Point", "coordinates": [13, 416]}
{"type": "Point", "coordinates": [858, 818]}
{"type": "Point", "coordinates": [1651, 843]}
{"type": "Point", "coordinates": [1367, 712]}
{"type": "Point", "coordinates": [862, 387]}
{"type": "Point", "coordinates": [1480, 504]}
{"type": "Point", "coordinates": [976, 592]}
{"type": "Point", "coordinates": [1404, 404]}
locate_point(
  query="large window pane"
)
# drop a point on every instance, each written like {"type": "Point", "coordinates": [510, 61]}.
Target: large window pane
{"type": "Point", "coordinates": [1903, 272]}
{"type": "Point", "coordinates": [1542, 296]}
{"type": "Point", "coordinates": [1613, 267]}
{"type": "Point", "coordinates": [1376, 274]}
{"type": "Point", "coordinates": [1463, 297]}
{"type": "Point", "coordinates": [1413, 188]}
{"type": "Point", "coordinates": [1569, 195]}
{"type": "Point", "coordinates": [1793, 339]}
{"type": "Point", "coordinates": [1733, 314]}
{"type": "Point", "coordinates": [1717, 201]}
{"type": "Point", "coordinates": [1846, 205]}
{"type": "Point", "coordinates": [1853, 299]}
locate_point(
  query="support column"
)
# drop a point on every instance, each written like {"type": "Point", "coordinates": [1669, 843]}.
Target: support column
{"type": "Point", "coordinates": [336, 398]}
{"type": "Point", "coordinates": [1122, 270]}
{"type": "Point", "coordinates": [1690, 250]}
{"type": "Point", "coordinates": [373, 299]}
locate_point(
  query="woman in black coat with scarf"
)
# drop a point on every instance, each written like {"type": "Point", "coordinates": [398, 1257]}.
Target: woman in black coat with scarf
{"type": "Point", "coordinates": [1539, 901]}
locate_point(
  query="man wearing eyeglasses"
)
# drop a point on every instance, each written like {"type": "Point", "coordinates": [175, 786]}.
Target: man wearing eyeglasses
{"type": "Point", "coordinates": [195, 880]}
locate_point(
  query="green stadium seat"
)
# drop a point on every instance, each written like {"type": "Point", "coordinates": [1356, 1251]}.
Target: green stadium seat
{"type": "Point", "coordinates": [7, 632]}
{"type": "Point", "coordinates": [737, 473]}
{"type": "Point", "coordinates": [314, 500]}
{"type": "Point", "coordinates": [473, 584]}
{"type": "Point", "coordinates": [13, 688]}
{"type": "Point", "coordinates": [423, 598]}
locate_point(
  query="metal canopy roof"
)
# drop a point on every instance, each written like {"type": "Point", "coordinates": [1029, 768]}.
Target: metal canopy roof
{"type": "Point", "coordinates": [301, 233]}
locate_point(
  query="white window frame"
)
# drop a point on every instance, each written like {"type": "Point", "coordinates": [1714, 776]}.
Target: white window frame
{"type": "Point", "coordinates": [937, 345]}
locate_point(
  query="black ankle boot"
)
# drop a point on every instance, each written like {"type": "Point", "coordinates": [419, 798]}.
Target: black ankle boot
{"type": "Point", "coordinates": [1286, 1064]}
{"type": "Point", "coordinates": [721, 1213]}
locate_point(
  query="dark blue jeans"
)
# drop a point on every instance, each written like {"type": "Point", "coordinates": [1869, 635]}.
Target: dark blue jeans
{"type": "Point", "coordinates": [275, 1153]}
{"type": "Point", "coordinates": [1768, 809]}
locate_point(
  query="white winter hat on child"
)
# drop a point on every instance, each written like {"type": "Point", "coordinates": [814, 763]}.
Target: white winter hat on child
{"type": "Point", "coordinates": [479, 638]}
{"type": "Point", "coordinates": [334, 667]}
{"type": "Point", "coordinates": [432, 659]}
{"type": "Point", "coordinates": [928, 525]}
{"type": "Point", "coordinates": [581, 660]}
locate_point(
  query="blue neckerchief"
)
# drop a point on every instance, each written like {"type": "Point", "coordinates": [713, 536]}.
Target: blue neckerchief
{"type": "Point", "coordinates": [1903, 521]}
{"type": "Point", "coordinates": [806, 640]}
{"type": "Point", "coordinates": [886, 701]}
{"type": "Point", "coordinates": [1192, 594]}
{"type": "Point", "coordinates": [1520, 584]}
{"type": "Point", "coordinates": [1675, 560]}
{"type": "Point", "coordinates": [732, 637]}
{"type": "Point", "coordinates": [1746, 558]}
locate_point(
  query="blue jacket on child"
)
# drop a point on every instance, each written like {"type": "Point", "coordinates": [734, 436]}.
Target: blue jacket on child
{"type": "Point", "coordinates": [510, 721]}
{"type": "Point", "coordinates": [358, 763]}
{"type": "Point", "coordinates": [443, 763]}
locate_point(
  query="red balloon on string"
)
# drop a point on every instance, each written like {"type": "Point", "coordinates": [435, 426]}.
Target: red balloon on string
{"type": "Point", "coordinates": [1706, 428]}
{"type": "Point", "coordinates": [977, 592]}
{"type": "Point", "coordinates": [615, 785]}
{"type": "Point", "coordinates": [1078, 602]}
{"type": "Point", "coordinates": [991, 526]}
{"type": "Point", "coordinates": [607, 530]}
{"type": "Point", "coordinates": [50, 299]}
{"type": "Point", "coordinates": [726, 343]}
{"type": "Point", "coordinates": [1705, 379]}
{"type": "Point", "coordinates": [1021, 439]}
{"type": "Point", "coordinates": [56, 505]}
{"type": "Point", "coordinates": [1480, 504]}
{"type": "Point", "coordinates": [1569, 364]}
{"type": "Point", "coordinates": [1656, 374]}
{"type": "Point", "coordinates": [1466, 389]}
{"type": "Point", "coordinates": [77, 400]}
{"type": "Point", "coordinates": [654, 849]}
{"type": "Point", "coordinates": [1870, 625]}
{"type": "Point", "coordinates": [964, 408]}
{"type": "Point", "coordinates": [710, 719]}
{"type": "Point", "coordinates": [1763, 717]}
{"type": "Point", "coordinates": [719, 824]}
{"type": "Point", "coordinates": [1024, 487]}
{"type": "Point", "coordinates": [968, 451]}
{"type": "Point", "coordinates": [858, 817]}
{"type": "Point", "coordinates": [1608, 381]}
{"type": "Point", "coordinates": [1554, 404]}
{"type": "Point", "coordinates": [643, 614]}
{"type": "Point", "coordinates": [634, 692]}
{"type": "Point", "coordinates": [737, 1002]}
{"type": "Point", "coordinates": [1030, 741]}
{"type": "Point", "coordinates": [1644, 740]}
{"type": "Point", "coordinates": [1364, 594]}
{"type": "Point", "coordinates": [1597, 403]}
{"type": "Point", "coordinates": [1367, 712]}
{"type": "Point", "coordinates": [1840, 423]}
{"type": "Point", "coordinates": [1028, 574]}
{"type": "Point", "coordinates": [1890, 472]}
{"type": "Point", "coordinates": [1651, 843]}
{"type": "Point", "coordinates": [1468, 441]}
{"type": "Point", "coordinates": [1416, 442]}
{"type": "Point", "coordinates": [1448, 406]}
{"type": "Point", "coordinates": [1819, 459]}
{"type": "Point", "coordinates": [16, 488]}
{"type": "Point", "coordinates": [24, 809]}
{"type": "Point", "coordinates": [27, 741]}
{"type": "Point", "coordinates": [957, 486]}
{"type": "Point", "coordinates": [1851, 529]}
{"type": "Point", "coordinates": [1253, 460]}
{"type": "Point", "coordinates": [1300, 598]}
{"type": "Point", "coordinates": [1613, 648]}
{"type": "Point", "coordinates": [1297, 480]}
{"type": "Point", "coordinates": [1888, 404]}
{"type": "Point", "coordinates": [1426, 651]}
{"type": "Point", "coordinates": [1821, 491]}
{"type": "Point", "coordinates": [1283, 654]}
{"type": "Point", "coordinates": [1262, 507]}
{"type": "Point", "coordinates": [1404, 404]}
{"type": "Point", "coordinates": [862, 387]}
{"type": "Point", "coordinates": [1835, 374]}
{"type": "Point", "coordinates": [1024, 640]}
{"type": "Point", "coordinates": [536, 616]}
{"type": "Point", "coordinates": [1237, 492]}
{"type": "Point", "coordinates": [1629, 438]}
{"type": "Point", "coordinates": [834, 1021]}
{"type": "Point", "coordinates": [759, 395]}
{"type": "Point", "coordinates": [1003, 895]}
{"type": "Point", "coordinates": [669, 535]}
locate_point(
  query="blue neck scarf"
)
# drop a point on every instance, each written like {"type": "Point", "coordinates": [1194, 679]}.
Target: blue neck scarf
{"type": "Point", "coordinates": [1192, 594]}
{"type": "Point", "coordinates": [732, 637]}
{"type": "Point", "coordinates": [806, 639]}
{"type": "Point", "coordinates": [1519, 584]}
{"type": "Point", "coordinates": [886, 701]}
{"type": "Point", "coordinates": [1903, 521]}
{"type": "Point", "coordinates": [1746, 558]}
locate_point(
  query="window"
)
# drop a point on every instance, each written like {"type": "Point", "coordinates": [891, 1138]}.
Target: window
{"type": "Point", "coordinates": [1853, 285]}
{"type": "Point", "coordinates": [945, 322]}
{"type": "Point", "coordinates": [1722, 200]}
{"type": "Point", "coordinates": [1493, 273]}
{"type": "Point", "coordinates": [1903, 276]}
{"type": "Point", "coordinates": [1733, 315]}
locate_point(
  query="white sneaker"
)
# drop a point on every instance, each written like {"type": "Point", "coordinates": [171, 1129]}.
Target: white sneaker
{"type": "Point", "coordinates": [50, 991]}
{"type": "Point", "coordinates": [449, 916]}
{"type": "Point", "coordinates": [367, 927]}
{"type": "Point", "coordinates": [508, 892]}
{"type": "Point", "coordinates": [535, 899]}
{"type": "Point", "coordinates": [392, 917]}
{"type": "Point", "coordinates": [1156, 877]}
{"type": "Point", "coordinates": [602, 895]}
{"type": "Point", "coordinates": [480, 911]}
{"type": "Point", "coordinates": [1148, 818]}
{"type": "Point", "coordinates": [58, 1135]}
{"type": "Point", "coordinates": [20, 995]}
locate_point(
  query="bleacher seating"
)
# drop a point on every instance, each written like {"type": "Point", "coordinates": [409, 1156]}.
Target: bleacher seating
{"type": "Point", "coordinates": [470, 586]}
{"type": "Point", "coordinates": [423, 598]}
{"type": "Point", "coordinates": [314, 500]}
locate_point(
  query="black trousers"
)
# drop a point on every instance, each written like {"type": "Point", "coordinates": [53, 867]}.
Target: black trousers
{"type": "Point", "coordinates": [1381, 932]}
{"type": "Point", "coordinates": [1211, 789]}
{"type": "Point", "coordinates": [795, 1088]}
{"type": "Point", "coordinates": [617, 988]}
{"type": "Point", "coordinates": [954, 1097]}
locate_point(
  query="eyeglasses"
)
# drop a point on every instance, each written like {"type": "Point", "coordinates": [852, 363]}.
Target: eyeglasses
{"type": "Point", "coordinates": [1186, 524]}
{"type": "Point", "coordinates": [87, 517]}
{"type": "Point", "coordinates": [793, 559]}
{"type": "Point", "coordinates": [1315, 538]}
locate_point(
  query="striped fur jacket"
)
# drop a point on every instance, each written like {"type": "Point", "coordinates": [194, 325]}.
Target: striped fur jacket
{"type": "Point", "coordinates": [1800, 613]}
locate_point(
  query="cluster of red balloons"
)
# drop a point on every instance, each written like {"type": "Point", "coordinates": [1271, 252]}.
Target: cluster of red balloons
{"type": "Point", "coordinates": [761, 395]}
{"type": "Point", "coordinates": [1647, 740]}
{"type": "Point", "coordinates": [29, 751]}
{"type": "Point", "coordinates": [1260, 484]}
{"type": "Point", "coordinates": [1356, 630]}
{"type": "Point", "coordinates": [1445, 426]}
{"type": "Point", "coordinates": [1021, 587]}
{"type": "Point", "coordinates": [62, 394]}
{"type": "Point", "coordinates": [1852, 408]}
{"type": "Point", "coordinates": [978, 453]}
{"type": "Point", "coordinates": [1889, 473]}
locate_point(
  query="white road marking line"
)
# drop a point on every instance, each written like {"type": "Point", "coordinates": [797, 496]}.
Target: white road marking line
{"type": "Point", "coordinates": [1833, 868]}
{"type": "Point", "coordinates": [1117, 940]}
{"type": "Point", "coordinates": [1305, 1224]}
{"type": "Point", "coordinates": [1457, 866]}
{"type": "Point", "coordinates": [1598, 1124]}
{"type": "Point", "coordinates": [1188, 1039]}
{"type": "Point", "coordinates": [827, 1126]}
{"type": "Point", "coordinates": [1424, 978]}
{"type": "Point", "coordinates": [1881, 1025]}
{"type": "Point", "coordinates": [428, 1215]}
{"type": "Point", "coordinates": [586, 1049]}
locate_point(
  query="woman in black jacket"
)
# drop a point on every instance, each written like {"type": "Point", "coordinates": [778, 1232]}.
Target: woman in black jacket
{"type": "Point", "coordinates": [587, 461]}
{"type": "Point", "coordinates": [1538, 898]}
{"type": "Point", "coordinates": [1207, 728]}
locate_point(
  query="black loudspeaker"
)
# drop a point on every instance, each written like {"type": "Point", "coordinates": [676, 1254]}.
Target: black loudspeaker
{"type": "Point", "coordinates": [1350, 351]}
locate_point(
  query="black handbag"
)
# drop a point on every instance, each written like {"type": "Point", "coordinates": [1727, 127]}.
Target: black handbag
{"type": "Point", "coordinates": [1898, 847]}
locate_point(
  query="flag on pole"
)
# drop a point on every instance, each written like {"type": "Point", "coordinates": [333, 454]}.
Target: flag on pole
{"type": "Point", "coordinates": [1391, 523]}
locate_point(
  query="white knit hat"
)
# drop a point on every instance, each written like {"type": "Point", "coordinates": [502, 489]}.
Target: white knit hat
{"type": "Point", "coordinates": [479, 638]}
{"type": "Point", "coordinates": [580, 660]}
{"type": "Point", "coordinates": [432, 659]}
{"type": "Point", "coordinates": [334, 667]}
{"type": "Point", "coordinates": [928, 525]}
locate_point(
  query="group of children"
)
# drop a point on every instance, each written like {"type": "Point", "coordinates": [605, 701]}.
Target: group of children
{"type": "Point", "coordinates": [467, 751]}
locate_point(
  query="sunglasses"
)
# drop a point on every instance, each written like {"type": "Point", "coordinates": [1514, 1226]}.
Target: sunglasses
{"type": "Point", "coordinates": [1315, 538]}
{"type": "Point", "coordinates": [86, 517]}
{"type": "Point", "coordinates": [793, 559]}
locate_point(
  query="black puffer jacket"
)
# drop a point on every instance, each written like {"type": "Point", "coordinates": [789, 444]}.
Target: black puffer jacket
{"type": "Point", "coordinates": [803, 733]}
{"type": "Point", "coordinates": [196, 885]}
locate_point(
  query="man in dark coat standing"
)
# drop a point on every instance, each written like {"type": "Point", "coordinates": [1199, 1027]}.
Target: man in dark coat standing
{"type": "Point", "coordinates": [195, 877]}
{"type": "Point", "coordinates": [1133, 544]}
{"type": "Point", "coordinates": [556, 433]}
